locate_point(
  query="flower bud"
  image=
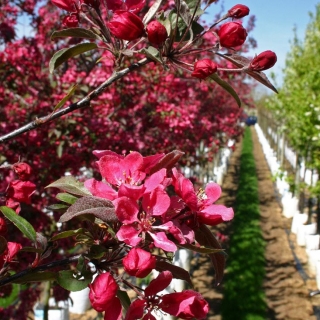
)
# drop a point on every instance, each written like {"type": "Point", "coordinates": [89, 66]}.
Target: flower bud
{"type": "Point", "coordinates": [204, 68]}
{"type": "Point", "coordinates": [102, 291]}
{"type": "Point", "coordinates": [139, 263]}
{"type": "Point", "coordinates": [157, 33]}
{"type": "Point", "coordinates": [238, 11]}
{"type": "Point", "coordinates": [126, 25]}
{"type": "Point", "coordinates": [67, 5]}
{"type": "Point", "coordinates": [263, 61]}
{"type": "Point", "coordinates": [232, 34]}
{"type": "Point", "coordinates": [23, 170]}
{"type": "Point", "coordinates": [70, 21]}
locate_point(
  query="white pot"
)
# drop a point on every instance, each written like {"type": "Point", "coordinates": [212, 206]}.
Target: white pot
{"type": "Point", "coordinates": [290, 205]}
{"type": "Point", "coordinates": [80, 301]}
{"type": "Point", "coordinates": [303, 230]}
{"type": "Point", "coordinates": [312, 241]}
{"type": "Point", "coordinates": [313, 259]}
{"type": "Point", "coordinates": [298, 220]}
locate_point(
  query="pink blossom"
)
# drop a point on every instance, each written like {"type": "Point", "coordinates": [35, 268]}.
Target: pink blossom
{"type": "Point", "coordinates": [188, 304]}
{"type": "Point", "coordinates": [139, 263]}
{"type": "Point", "coordinates": [117, 170]}
{"type": "Point", "coordinates": [102, 296]}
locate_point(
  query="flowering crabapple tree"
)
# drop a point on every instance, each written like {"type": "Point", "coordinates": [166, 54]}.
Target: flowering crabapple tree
{"type": "Point", "coordinates": [137, 210]}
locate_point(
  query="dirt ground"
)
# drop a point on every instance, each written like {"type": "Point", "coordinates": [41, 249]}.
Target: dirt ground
{"type": "Point", "coordinates": [286, 288]}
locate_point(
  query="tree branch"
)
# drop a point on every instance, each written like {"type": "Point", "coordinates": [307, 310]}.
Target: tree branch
{"type": "Point", "coordinates": [83, 103]}
{"type": "Point", "coordinates": [43, 267]}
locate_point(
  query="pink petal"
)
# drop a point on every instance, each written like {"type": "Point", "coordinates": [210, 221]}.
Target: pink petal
{"type": "Point", "coordinates": [215, 214]}
{"type": "Point", "coordinates": [135, 310]}
{"type": "Point", "coordinates": [159, 283]}
{"type": "Point", "coordinates": [213, 191]}
{"type": "Point", "coordinates": [133, 163]}
{"type": "Point", "coordinates": [150, 161]}
{"type": "Point", "coordinates": [154, 180]}
{"type": "Point", "coordinates": [114, 310]}
{"type": "Point", "coordinates": [161, 241]}
{"type": "Point", "coordinates": [135, 5]}
{"type": "Point", "coordinates": [111, 169]}
{"type": "Point", "coordinates": [100, 189]}
{"type": "Point", "coordinates": [129, 235]}
{"type": "Point", "coordinates": [157, 202]}
{"type": "Point", "coordinates": [126, 209]}
{"type": "Point", "coordinates": [100, 153]}
{"type": "Point", "coordinates": [133, 192]}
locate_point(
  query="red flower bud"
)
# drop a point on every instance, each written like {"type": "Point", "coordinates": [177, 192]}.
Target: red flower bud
{"type": "Point", "coordinates": [232, 34]}
{"type": "Point", "coordinates": [23, 170]}
{"type": "Point", "coordinates": [67, 5]}
{"type": "Point", "coordinates": [139, 263]}
{"type": "Point", "coordinates": [70, 21]}
{"type": "Point", "coordinates": [157, 33]}
{"type": "Point", "coordinates": [238, 11]}
{"type": "Point", "coordinates": [126, 25]}
{"type": "Point", "coordinates": [102, 291]}
{"type": "Point", "coordinates": [204, 68]}
{"type": "Point", "coordinates": [263, 61]}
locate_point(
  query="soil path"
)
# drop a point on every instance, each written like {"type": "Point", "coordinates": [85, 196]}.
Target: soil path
{"type": "Point", "coordinates": [287, 294]}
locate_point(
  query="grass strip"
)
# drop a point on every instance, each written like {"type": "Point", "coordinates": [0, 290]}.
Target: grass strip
{"type": "Point", "coordinates": [244, 297]}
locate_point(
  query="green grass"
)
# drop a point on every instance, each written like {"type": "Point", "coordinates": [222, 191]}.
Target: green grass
{"type": "Point", "coordinates": [243, 294]}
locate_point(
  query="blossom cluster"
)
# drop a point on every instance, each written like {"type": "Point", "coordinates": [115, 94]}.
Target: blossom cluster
{"type": "Point", "coordinates": [157, 208]}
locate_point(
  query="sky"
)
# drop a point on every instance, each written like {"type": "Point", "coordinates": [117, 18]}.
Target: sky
{"type": "Point", "coordinates": [275, 22]}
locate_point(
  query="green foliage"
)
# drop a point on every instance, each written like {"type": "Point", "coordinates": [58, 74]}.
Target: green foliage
{"type": "Point", "coordinates": [22, 224]}
{"type": "Point", "coordinates": [297, 107]}
{"type": "Point", "coordinates": [243, 296]}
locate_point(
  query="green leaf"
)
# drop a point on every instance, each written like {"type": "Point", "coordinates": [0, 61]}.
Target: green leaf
{"type": "Point", "coordinates": [67, 234]}
{"type": "Point", "coordinates": [3, 245]}
{"type": "Point", "coordinates": [6, 301]}
{"type": "Point", "coordinates": [124, 298]}
{"type": "Point", "coordinates": [67, 280]}
{"type": "Point", "coordinates": [58, 206]}
{"type": "Point", "coordinates": [76, 33]}
{"type": "Point", "coordinates": [101, 208]}
{"type": "Point", "coordinates": [65, 54]}
{"type": "Point", "coordinates": [205, 237]}
{"type": "Point", "coordinates": [226, 86]}
{"type": "Point", "coordinates": [66, 197]}
{"type": "Point", "coordinates": [22, 224]}
{"type": "Point", "coordinates": [32, 249]}
{"type": "Point", "coordinates": [37, 277]}
{"type": "Point", "coordinates": [61, 103]}
{"type": "Point", "coordinates": [71, 185]}
{"type": "Point", "coordinates": [152, 53]}
{"type": "Point", "coordinates": [152, 11]}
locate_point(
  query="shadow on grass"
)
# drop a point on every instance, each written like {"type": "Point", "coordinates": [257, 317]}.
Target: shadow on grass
{"type": "Point", "coordinates": [244, 297]}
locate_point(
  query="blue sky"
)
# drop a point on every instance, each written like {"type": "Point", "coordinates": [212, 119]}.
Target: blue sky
{"type": "Point", "coordinates": [275, 21]}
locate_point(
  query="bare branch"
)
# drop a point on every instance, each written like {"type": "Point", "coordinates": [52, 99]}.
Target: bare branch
{"type": "Point", "coordinates": [83, 103]}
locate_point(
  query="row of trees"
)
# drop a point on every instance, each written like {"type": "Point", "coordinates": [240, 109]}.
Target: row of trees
{"type": "Point", "coordinates": [295, 111]}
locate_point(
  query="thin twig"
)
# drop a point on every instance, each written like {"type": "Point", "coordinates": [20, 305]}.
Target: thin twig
{"type": "Point", "coordinates": [83, 103]}
{"type": "Point", "coordinates": [43, 267]}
